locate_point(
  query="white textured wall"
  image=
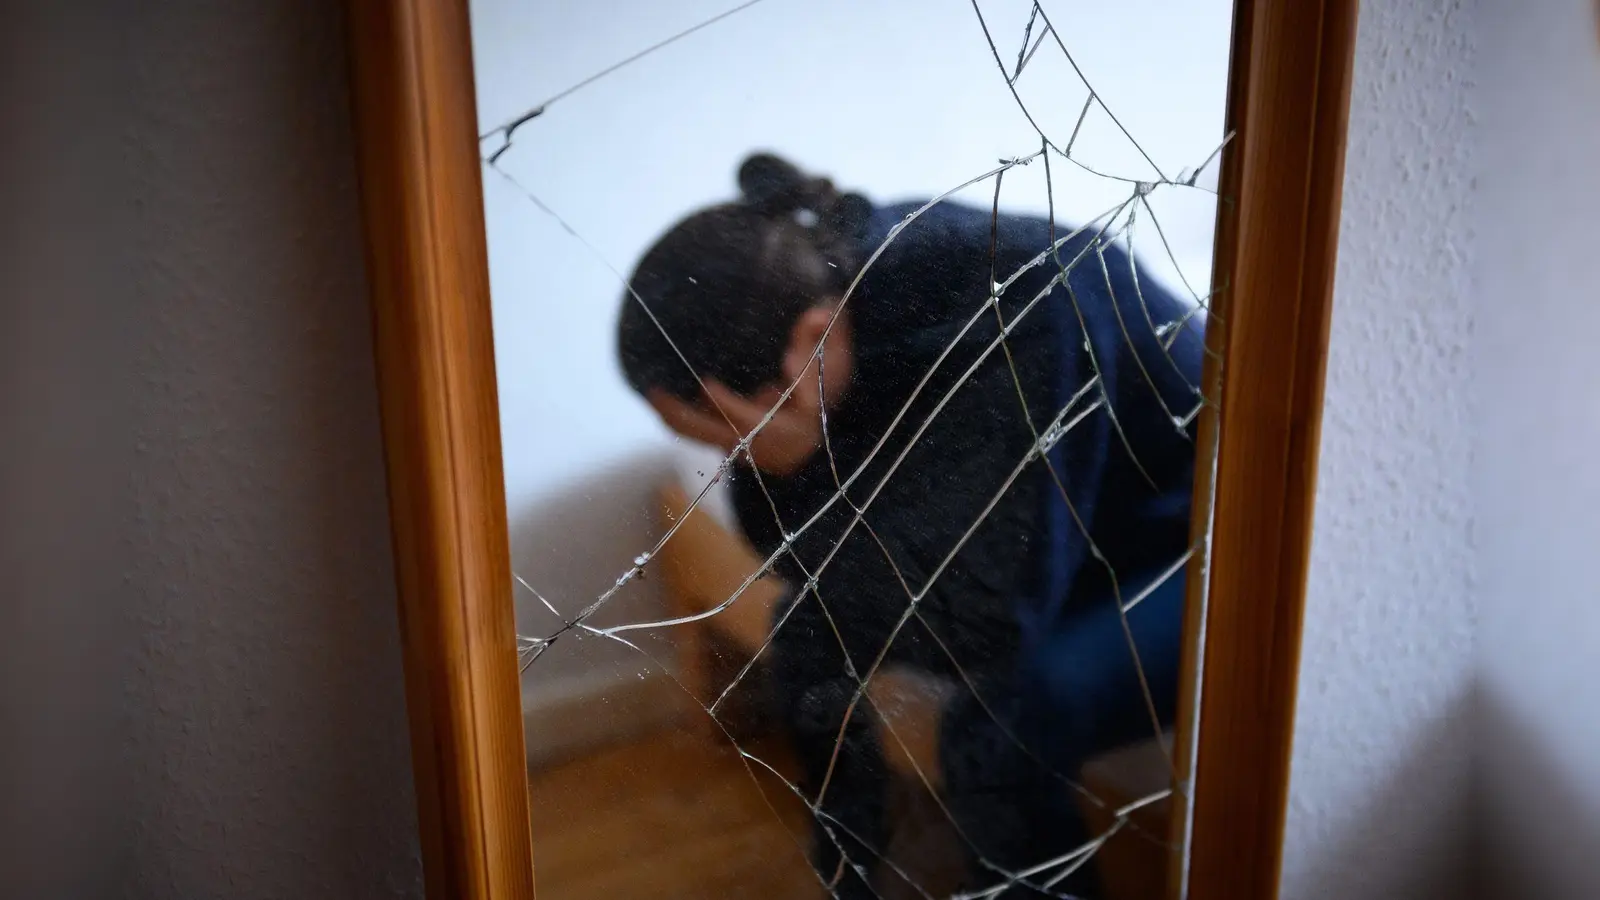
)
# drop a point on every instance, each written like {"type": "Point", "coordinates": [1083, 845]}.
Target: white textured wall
{"type": "Point", "coordinates": [205, 666]}
{"type": "Point", "coordinates": [1382, 756]}
{"type": "Point", "coordinates": [1539, 413]}
{"type": "Point", "coordinates": [268, 727]}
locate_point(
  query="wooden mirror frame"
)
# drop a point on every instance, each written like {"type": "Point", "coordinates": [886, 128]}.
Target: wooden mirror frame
{"type": "Point", "coordinates": [427, 265]}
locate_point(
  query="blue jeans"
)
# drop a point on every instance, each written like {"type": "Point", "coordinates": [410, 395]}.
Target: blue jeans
{"type": "Point", "coordinates": [1076, 695]}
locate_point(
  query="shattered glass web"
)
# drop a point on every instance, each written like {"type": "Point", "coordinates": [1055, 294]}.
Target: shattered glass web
{"type": "Point", "coordinates": [1119, 223]}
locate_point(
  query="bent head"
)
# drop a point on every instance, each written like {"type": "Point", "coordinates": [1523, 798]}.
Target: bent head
{"type": "Point", "coordinates": [733, 303]}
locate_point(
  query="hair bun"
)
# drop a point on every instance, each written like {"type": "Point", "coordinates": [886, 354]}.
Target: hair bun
{"type": "Point", "coordinates": [776, 188]}
{"type": "Point", "coordinates": [772, 184]}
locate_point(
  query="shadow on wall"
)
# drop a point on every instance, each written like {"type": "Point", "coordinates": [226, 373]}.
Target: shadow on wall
{"type": "Point", "coordinates": [1399, 847]}
{"type": "Point", "coordinates": [1542, 835]}
{"type": "Point", "coordinates": [572, 545]}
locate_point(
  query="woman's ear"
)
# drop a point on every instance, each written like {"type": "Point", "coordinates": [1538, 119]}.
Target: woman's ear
{"type": "Point", "coordinates": [807, 333]}
{"type": "Point", "coordinates": [816, 325]}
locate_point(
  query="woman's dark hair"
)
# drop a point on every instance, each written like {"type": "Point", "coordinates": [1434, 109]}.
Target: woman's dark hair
{"type": "Point", "coordinates": [729, 282]}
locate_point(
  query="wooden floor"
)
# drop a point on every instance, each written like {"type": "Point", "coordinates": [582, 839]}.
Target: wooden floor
{"type": "Point", "coordinates": [669, 817]}
{"type": "Point", "coordinates": [672, 816]}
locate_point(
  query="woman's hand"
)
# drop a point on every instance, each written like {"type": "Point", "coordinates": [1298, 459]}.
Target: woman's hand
{"type": "Point", "coordinates": [784, 445]}
{"type": "Point", "coordinates": [910, 706]}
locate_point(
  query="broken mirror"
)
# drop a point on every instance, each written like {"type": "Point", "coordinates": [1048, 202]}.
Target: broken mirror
{"type": "Point", "coordinates": [850, 357]}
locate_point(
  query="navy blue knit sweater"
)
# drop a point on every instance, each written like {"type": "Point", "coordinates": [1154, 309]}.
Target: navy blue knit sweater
{"type": "Point", "coordinates": [967, 503]}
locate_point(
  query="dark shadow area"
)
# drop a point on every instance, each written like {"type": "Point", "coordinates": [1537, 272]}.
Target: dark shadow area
{"type": "Point", "coordinates": [1539, 836]}
{"type": "Point", "coordinates": [1398, 847]}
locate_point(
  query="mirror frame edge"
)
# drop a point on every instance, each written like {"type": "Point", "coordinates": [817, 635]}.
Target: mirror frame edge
{"type": "Point", "coordinates": [414, 109]}
{"type": "Point", "coordinates": [1288, 106]}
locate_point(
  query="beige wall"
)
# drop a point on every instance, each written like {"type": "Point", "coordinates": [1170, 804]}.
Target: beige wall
{"type": "Point", "coordinates": [204, 699]}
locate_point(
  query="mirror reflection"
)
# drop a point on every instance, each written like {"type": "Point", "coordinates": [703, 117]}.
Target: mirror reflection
{"type": "Point", "coordinates": [850, 360]}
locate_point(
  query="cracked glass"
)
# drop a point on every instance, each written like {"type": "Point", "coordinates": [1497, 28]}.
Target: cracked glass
{"type": "Point", "coordinates": [851, 358]}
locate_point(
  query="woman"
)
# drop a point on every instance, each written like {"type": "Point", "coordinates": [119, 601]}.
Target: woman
{"type": "Point", "coordinates": [883, 482]}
